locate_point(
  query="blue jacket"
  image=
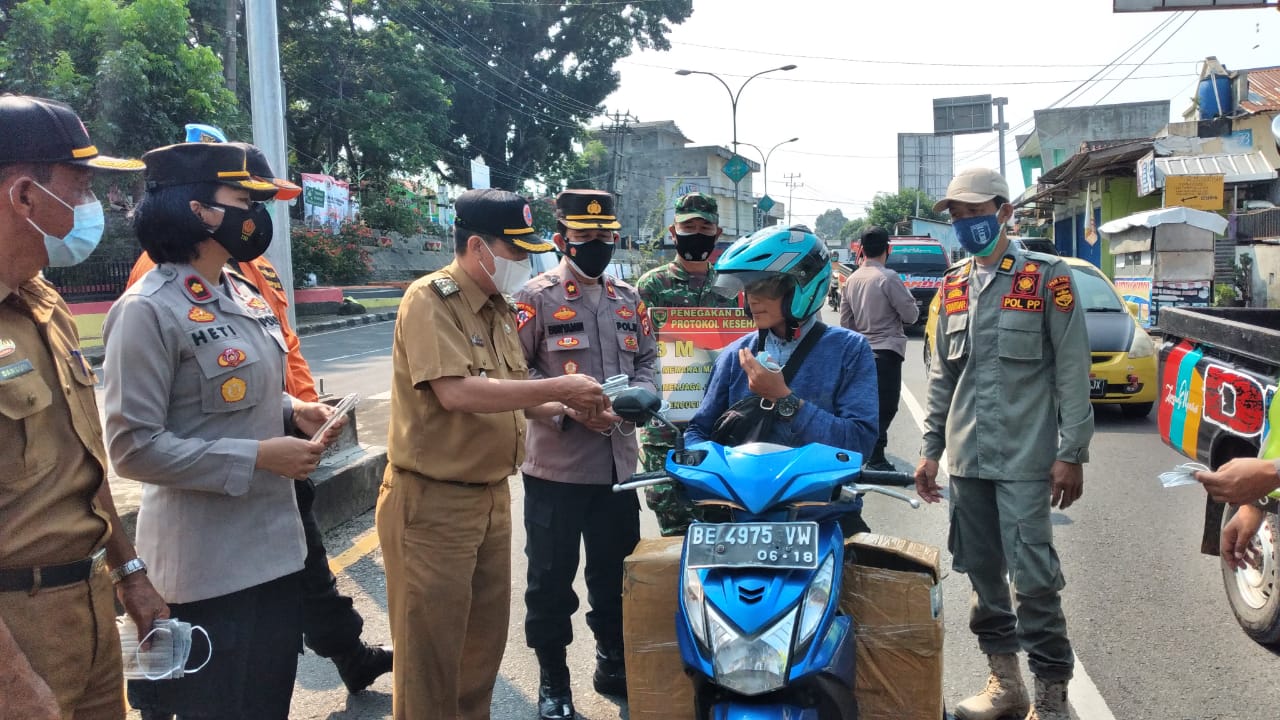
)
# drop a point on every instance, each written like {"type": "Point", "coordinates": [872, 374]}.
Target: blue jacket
{"type": "Point", "coordinates": [837, 382]}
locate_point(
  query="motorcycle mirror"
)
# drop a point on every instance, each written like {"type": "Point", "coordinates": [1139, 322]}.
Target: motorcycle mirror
{"type": "Point", "coordinates": [636, 405]}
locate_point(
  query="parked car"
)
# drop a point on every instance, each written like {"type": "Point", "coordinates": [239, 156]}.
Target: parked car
{"type": "Point", "coordinates": [1123, 368]}
{"type": "Point", "coordinates": [1035, 244]}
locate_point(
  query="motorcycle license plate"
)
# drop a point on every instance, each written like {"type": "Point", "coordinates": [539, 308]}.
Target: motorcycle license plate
{"type": "Point", "coordinates": [1097, 387]}
{"type": "Point", "coordinates": [772, 545]}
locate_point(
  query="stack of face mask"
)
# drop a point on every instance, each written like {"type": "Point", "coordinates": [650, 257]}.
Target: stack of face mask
{"type": "Point", "coordinates": [1183, 474]}
{"type": "Point", "coordinates": [166, 658]}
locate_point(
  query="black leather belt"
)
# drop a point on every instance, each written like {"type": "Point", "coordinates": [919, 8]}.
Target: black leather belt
{"type": "Point", "coordinates": [32, 579]}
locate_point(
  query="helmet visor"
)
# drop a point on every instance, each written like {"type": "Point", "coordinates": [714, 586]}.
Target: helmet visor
{"type": "Point", "coordinates": [762, 283]}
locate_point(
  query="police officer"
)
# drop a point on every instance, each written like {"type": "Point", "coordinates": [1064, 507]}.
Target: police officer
{"type": "Point", "coordinates": [59, 533]}
{"type": "Point", "coordinates": [1009, 401]}
{"type": "Point", "coordinates": [460, 395]}
{"type": "Point", "coordinates": [196, 410]}
{"type": "Point", "coordinates": [330, 623]}
{"type": "Point", "coordinates": [686, 281]}
{"type": "Point", "coordinates": [578, 320]}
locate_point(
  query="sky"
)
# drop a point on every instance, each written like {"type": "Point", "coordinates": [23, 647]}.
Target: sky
{"type": "Point", "coordinates": [868, 70]}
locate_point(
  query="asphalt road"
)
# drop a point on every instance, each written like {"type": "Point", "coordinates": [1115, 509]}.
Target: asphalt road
{"type": "Point", "coordinates": [1146, 612]}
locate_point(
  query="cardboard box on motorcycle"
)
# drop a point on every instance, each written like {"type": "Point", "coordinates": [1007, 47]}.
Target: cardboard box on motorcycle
{"type": "Point", "coordinates": [891, 592]}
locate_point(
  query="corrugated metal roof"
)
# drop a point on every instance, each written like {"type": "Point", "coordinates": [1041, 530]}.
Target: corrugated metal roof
{"type": "Point", "coordinates": [1264, 90]}
{"type": "Point", "coordinates": [1234, 167]}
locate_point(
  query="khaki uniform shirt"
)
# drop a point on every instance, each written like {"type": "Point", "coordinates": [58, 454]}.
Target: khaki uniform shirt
{"type": "Point", "coordinates": [51, 455]}
{"type": "Point", "coordinates": [562, 335]}
{"type": "Point", "coordinates": [449, 327]}
{"type": "Point", "coordinates": [876, 303]}
{"type": "Point", "coordinates": [194, 378]}
{"type": "Point", "coordinates": [1009, 383]}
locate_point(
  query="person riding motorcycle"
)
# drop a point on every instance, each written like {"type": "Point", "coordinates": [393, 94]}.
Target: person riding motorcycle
{"type": "Point", "coordinates": [782, 275]}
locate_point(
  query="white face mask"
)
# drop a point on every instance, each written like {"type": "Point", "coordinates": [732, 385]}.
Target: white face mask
{"type": "Point", "coordinates": [80, 241]}
{"type": "Point", "coordinates": [170, 649]}
{"type": "Point", "coordinates": [508, 275]}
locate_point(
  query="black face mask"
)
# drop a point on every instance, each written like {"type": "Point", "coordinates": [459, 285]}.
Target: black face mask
{"type": "Point", "coordinates": [590, 258]}
{"type": "Point", "coordinates": [696, 247]}
{"type": "Point", "coordinates": [244, 233]}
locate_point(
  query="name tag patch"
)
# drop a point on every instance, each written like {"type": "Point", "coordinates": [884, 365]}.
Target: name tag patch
{"type": "Point", "coordinates": [18, 369]}
{"type": "Point", "coordinates": [1025, 304]}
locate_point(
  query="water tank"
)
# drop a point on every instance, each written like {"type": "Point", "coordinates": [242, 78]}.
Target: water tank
{"type": "Point", "coordinates": [1214, 96]}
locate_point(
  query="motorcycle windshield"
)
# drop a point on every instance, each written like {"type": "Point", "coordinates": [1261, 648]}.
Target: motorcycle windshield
{"type": "Point", "coordinates": [762, 477]}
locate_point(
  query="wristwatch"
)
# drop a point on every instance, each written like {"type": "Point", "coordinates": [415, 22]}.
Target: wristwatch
{"type": "Point", "coordinates": [788, 406]}
{"type": "Point", "coordinates": [128, 568]}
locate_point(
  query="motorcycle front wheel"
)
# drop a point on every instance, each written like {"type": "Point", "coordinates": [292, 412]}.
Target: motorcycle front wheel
{"type": "Point", "coordinates": [1254, 593]}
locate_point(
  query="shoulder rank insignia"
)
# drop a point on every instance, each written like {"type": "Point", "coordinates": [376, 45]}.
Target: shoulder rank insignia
{"type": "Point", "coordinates": [1006, 263]}
{"type": "Point", "coordinates": [1031, 266]}
{"type": "Point", "coordinates": [610, 290]}
{"type": "Point", "coordinates": [445, 286]}
{"type": "Point", "coordinates": [524, 313]}
{"type": "Point", "coordinates": [570, 290]}
{"type": "Point", "coordinates": [196, 289]}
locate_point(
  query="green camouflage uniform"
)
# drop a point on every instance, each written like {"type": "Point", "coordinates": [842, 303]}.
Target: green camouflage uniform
{"type": "Point", "coordinates": [668, 286]}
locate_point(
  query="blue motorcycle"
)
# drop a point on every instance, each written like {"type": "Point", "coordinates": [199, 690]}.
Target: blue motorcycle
{"type": "Point", "coordinates": [758, 623]}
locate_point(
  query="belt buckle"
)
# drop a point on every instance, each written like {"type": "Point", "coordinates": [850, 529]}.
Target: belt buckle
{"type": "Point", "coordinates": [98, 561]}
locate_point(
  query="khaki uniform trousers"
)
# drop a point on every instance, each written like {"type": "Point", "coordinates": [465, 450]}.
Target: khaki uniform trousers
{"type": "Point", "coordinates": [1002, 529]}
{"type": "Point", "coordinates": [447, 553]}
{"type": "Point", "coordinates": [68, 634]}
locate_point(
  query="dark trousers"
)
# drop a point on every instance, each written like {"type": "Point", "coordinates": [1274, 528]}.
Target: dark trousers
{"type": "Point", "coordinates": [256, 635]}
{"type": "Point", "coordinates": [889, 384]}
{"type": "Point", "coordinates": [557, 517]}
{"type": "Point", "coordinates": [330, 623]}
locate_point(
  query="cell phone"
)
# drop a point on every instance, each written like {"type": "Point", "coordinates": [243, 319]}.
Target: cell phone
{"type": "Point", "coordinates": [339, 411]}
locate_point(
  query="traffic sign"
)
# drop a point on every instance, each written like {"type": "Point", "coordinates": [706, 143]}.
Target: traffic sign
{"type": "Point", "coordinates": [737, 168]}
{"type": "Point", "coordinates": [766, 204]}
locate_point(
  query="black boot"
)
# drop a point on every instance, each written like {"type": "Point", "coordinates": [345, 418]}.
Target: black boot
{"type": "Point", "coordinates": [555, 699]}
{"type": "Point", "coordinates": [611, 670]}
{"type": "Point", "coordinates": [361, 666]}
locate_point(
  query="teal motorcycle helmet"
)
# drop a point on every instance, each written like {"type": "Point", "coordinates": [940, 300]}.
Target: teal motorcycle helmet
{"type": "Point", "coordinates": [792, 256]}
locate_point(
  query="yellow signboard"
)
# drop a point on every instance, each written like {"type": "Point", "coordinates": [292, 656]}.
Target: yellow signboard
{"type": "Point", "coordinates": [1201, 192]}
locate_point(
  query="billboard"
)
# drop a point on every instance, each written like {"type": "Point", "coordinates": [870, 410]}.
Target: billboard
{"type": "Point", "coordinates": [925, 162]}
{"type": "Point", "coordinates": [1202, 192]}
{"type": "Point", "coordinates": [962, 115]}
{"type": "Point", "coordinates": [1159, 5]}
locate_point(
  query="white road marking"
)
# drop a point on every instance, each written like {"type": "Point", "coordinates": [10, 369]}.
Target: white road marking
{"type": "Point", "coordinates": [1081, 692]}
{"type": "Point", "coordinates": [366, 352]}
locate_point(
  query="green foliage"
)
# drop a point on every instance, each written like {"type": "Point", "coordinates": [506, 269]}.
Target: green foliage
{"type": "Point", "coordinates": [1225, 295]}
{"type": "Point", "coordinates": [336, 258]}
{"type": "Point", "coordinates": [889, 209]}
{"type": "Point", "coordinates": [544, 214]}
{"type": "Point", "coordinates": [829, 224]}
{"type": "Point", "coordinates": [589, 168]}
{"type": "Point", "coordinates": [852, 230]}
{"type": "Point", "coordinates": [400, 208]}
{"type": "Point", "coordinates": [127, 68]}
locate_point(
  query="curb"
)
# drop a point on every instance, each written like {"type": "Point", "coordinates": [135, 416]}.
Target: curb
{"type": "Point", "coordinates": [351, 321]}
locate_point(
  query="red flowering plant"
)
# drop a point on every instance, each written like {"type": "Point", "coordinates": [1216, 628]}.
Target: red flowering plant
{"type": "Point", "coordinates": [334, 254]}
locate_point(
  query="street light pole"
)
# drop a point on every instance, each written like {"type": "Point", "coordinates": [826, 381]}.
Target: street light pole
{"type": "Point", "coordinates": [733, 106]}
{"type": "Point", "coordinates": [766, 155]}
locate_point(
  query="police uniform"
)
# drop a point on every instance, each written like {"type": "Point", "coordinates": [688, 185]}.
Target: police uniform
{"type": "Point", "coordinates": [566, 327]}
{"type": "Point", "coordinates": [1009, 395]}
{"type": "Point", "coordinates": [193, 382]}
{"type": "Point", "coordinates": [444, 509]}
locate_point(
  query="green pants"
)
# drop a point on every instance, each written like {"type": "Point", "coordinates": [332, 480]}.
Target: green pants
{"type": "Point", "coordinates": [1001, 528]}
{"type": "Point", "coordinates": [668, 500]}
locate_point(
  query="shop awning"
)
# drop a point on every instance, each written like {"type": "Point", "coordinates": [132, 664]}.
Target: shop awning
{"type": "Point", "coordinates": [1212, 222]}
{"type": "Point", "coordinates": [1234, 167]}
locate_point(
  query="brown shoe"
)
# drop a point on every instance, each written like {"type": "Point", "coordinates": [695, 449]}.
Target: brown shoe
{"type": "Point", "coordinates": [1004, 697]}
{"type": "Point", "coordinates": [1051, 701]}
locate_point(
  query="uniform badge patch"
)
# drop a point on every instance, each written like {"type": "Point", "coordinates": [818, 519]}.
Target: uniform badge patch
{"type": "Point", "coordinates": [200, 315]}
{"type": "Point", "coordinates": [196, 289]}
{"type": "Point", "coordinates": [570, 367]}
{"type": "Point", "coordinates": [1020, 302]}
{"type": "Point", "coordinates": [231, 357]}
{"type": "Point", "coordinates": [1006, 263]}
{"type": "Point", "coordinates": [957, 299]}
{"type": "Point", "coordinates": [7, 347]}
{"type": "Point", "coordinates": [258, 304]}
{"type": "Point", "coordinates": [570, 289]}
{"type": "Point", "coordinates": [630, 342]}
{"type": "Point", "coordinates": [233, 390]}
{"type": "Point", "coordinates": [1026, 283]}
{"type": "Point", "coordinates": [477, 341]}
{"type": "Point", "coordinates": [269, 274]}
{"type": "Point", "coordinates": [625, 312]}
{"type": "Point", "coordinates": [568, 342]}
{"type": "Point", "coordinates": [1030, 267]}
{"type": "Point", "coordinates": [564, 312]}
{"type": "Point", "coordinates": [524, 313]}
{"type": "Point", "coordinates": [1063, 298]}
{"type": "Point", "coordinates": [643, 312]}
{"type": "Point", "coordinates": [445, 286]}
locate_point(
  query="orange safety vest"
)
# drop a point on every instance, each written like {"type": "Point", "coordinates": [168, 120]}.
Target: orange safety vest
{"type": "Point", "coordinates": [298, 380]}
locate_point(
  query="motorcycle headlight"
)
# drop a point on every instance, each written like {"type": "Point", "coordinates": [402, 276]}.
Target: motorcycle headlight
{"type": "Point", "coordinates": [815, 600]}
{"type": "Point", "coordinates": [1141, 346]}
{"type": "Point", "coordinates": [694, 603]}
{"type": "Point", "coordinates": [751, 665]}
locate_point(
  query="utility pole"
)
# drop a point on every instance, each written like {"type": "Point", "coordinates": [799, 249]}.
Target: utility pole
{"type": "Point", "coordinates": [1001, 126]}
{"type": "Point", "coordinates": [621, 126]}
{"type": "Point", "coordinates": [266, 87]}
{"type": "Point", "coordinates": [792, 184]}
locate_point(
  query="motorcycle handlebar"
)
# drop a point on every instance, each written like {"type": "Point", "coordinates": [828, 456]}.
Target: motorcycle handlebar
{"type": "Point", "coordinates": [640, 480]}
{"type": "Point", "coordinates": [886, 477]}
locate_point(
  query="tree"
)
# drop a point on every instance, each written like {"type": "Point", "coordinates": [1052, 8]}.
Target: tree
{"type": "Point", "coordinates": [829, 224]}
{"type": "Point", "coordinates": [852, 230]}
{"type": "Point", "coordinates": [525, 78]}
{"type": "Point", "coordinates": [889, 209]}
{"type": "Point", "coordinates": [586, 169]}
{"type": "Point", "coordinates": [129, 71]}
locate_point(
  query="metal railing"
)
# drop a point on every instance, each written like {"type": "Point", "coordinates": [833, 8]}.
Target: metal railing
{"type": "Point", "coordinates": [1258, 224]}
{"type": "Point", "coordinates": [90, 281]}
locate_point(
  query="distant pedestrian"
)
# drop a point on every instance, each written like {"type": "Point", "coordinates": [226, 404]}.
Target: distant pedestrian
{"type": "Point", "coordinates": [686, 281]}
{"type": "Point", "coordinates": [877, 304]}
{"type": "Point", "coordinates": [460, 396]}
